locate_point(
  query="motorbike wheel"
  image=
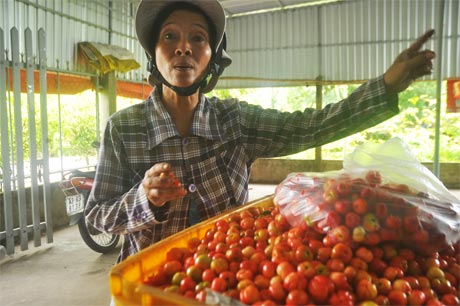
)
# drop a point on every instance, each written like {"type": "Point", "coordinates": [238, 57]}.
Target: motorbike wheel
{"type": "Point", "coordinates": [97, 241]}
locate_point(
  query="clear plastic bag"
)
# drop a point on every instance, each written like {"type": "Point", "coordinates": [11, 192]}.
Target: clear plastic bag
{"type": "Point", "coordinates": [382, 194]}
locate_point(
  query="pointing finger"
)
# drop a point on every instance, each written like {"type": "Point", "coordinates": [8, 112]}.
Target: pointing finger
{"type": "Point", "coordinates": [420, 41]}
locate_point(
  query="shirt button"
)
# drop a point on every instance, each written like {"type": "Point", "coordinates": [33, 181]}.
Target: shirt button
{"type": "Point", "coordinates": [185, 141]}
{"type": "Point", "coordinates": [192, 188]}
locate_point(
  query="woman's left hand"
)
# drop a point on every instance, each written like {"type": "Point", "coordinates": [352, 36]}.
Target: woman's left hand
{"type": "Point", "coordinates": [411, 64]}
{"type": "Point", "coordinates": [161, 185]}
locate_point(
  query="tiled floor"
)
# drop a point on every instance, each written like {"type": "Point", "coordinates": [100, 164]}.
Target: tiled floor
{"type": "Point", "coordinates": [67, 272]}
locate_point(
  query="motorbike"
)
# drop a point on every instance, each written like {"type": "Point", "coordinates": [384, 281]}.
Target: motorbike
{"type": "Point", "coordinates": [76, 188]}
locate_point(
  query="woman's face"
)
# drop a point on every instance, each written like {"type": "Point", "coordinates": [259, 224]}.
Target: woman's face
{"type": "Point", "coordinates": [183, 50]}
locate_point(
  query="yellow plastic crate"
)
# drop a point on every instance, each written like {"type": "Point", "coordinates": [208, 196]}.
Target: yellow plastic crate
{"type": "Point", "coordinates": [126, 277]}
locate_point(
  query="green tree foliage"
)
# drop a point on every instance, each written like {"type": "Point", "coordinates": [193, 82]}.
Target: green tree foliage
{"type": "Point", "coordinates": [415, 123]}
{"type": "Point", "coordinates": [78, 126]}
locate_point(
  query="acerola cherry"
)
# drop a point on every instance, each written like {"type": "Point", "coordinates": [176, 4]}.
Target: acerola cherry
{"type": "Point", "coordinates": [297, 297]}
{"type": "Point", "coordinates": [249, 295]}
{"type": "Point", "coordinates": [352, 220]}
{"type": "Point", "coordinates": [342, 252]}
{"type": "Point", "coordinates": [360, 206]}
{"type": "Point", "coordinates": [366, 290]}
{"type": "Point", "coordinates": [320, 288]}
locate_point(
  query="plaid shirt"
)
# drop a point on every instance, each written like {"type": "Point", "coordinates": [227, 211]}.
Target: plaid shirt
{"type": "Point", "coordinates": [226, 137]}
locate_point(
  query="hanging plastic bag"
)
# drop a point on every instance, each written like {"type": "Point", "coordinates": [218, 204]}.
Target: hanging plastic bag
{"type": "Point", "coordinates": [383, 193]}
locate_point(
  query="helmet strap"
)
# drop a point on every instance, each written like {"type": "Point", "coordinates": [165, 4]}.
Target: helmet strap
{"type": "Point", "coordinates": [181, 91]}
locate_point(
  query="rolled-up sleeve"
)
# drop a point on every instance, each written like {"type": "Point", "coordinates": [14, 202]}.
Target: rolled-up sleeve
{"type": "Point", "coordinates": [273, 133]}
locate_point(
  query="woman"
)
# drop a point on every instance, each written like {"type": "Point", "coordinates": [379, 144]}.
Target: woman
{"type": "Point", "coordinates": [180, 158]}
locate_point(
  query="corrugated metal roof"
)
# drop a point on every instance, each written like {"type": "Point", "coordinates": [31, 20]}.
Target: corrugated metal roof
{"type": "Point", "coordinates": [353, 40]}
{"type": "Point", "coordinates": [343, 41]}
{"type": "Point", "coordinates": [237, 7]}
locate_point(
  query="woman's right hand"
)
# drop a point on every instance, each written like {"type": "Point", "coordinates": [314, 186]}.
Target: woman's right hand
{"type": "Point", "coordinates": [161, 185]}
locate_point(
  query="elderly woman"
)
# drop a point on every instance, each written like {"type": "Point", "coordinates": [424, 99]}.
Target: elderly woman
{"type": "Point", "coordinates": [179, 157]}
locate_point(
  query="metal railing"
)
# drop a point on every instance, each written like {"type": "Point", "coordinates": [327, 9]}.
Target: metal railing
{"type": "Point", "coordinates": [13, 156]}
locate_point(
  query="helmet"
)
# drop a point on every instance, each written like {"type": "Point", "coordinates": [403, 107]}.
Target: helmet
{"type": "Point", "coordinates": [147, 16]}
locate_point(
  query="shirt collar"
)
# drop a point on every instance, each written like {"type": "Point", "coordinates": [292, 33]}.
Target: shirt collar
{"type": "Point", "coordinates": [160, 125]}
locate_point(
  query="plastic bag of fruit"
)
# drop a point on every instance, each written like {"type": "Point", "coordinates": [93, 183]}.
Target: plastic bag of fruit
{"type": "Point", "coordinates": [383, 193]}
